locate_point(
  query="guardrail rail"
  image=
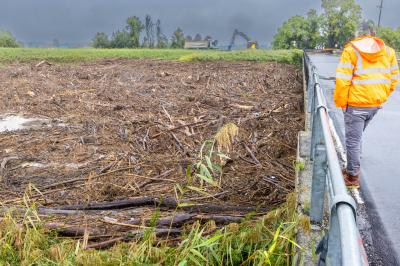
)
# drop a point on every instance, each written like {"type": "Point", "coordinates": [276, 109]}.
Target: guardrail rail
{"type": "Point", "coordinates": [342, 244]}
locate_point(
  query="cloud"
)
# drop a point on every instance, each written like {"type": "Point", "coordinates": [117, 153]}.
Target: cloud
{"type": "Point", "coordinates": [78, 20]}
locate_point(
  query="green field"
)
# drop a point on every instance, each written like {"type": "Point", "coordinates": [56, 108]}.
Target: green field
{"type": "Point", "coordinates": [13, 55]}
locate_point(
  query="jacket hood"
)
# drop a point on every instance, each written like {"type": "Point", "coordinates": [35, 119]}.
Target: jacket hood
{"type": "Point", "coordinates": [370, 48]}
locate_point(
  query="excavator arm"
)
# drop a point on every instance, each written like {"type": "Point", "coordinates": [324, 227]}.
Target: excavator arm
{"type": "Point", "coordinates": [250, 44]}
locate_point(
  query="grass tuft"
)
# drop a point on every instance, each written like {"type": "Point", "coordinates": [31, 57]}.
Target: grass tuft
{"type": "Point", "coordinates": [226, 136]}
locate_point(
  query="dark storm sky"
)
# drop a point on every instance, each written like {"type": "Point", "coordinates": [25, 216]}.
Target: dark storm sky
{"type": "Point", "coordinates": [78, 20]}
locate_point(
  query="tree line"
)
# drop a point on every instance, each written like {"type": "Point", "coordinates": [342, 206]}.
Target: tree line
{"type": "Point", "coordinates": [153, 36]}
{"type": "Point", "coordinates": [135, 34]}
{"type": "Point", "coordinates": [130, 36]}
{"type": "Point", "coordinates": [333, 28]}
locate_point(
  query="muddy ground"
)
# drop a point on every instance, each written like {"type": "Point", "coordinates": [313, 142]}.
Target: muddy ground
{"type": "Point", "coordinates": [118, 129]}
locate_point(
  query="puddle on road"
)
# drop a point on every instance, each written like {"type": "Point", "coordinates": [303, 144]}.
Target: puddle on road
{"type": "Point", "coordinates": [16, 122]}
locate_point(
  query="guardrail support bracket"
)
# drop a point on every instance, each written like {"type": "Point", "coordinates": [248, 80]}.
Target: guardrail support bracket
{"type": "Point", "coordinates": [318, 184]}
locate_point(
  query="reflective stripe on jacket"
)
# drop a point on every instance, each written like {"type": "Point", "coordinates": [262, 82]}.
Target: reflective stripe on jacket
{"type": "Point", "coordinates": [367, 73]}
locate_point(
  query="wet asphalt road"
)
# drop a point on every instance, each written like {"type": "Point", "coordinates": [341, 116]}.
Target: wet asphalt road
{"type": "Point", "coordinates": [379, 220]}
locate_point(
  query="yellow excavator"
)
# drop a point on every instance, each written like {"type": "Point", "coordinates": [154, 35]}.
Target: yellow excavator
{"type": "Point", "coordinates": [250, 44]}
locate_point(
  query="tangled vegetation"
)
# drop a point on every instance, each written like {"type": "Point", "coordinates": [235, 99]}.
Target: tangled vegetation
{"type": "Point", "coordinates": [268, 241]}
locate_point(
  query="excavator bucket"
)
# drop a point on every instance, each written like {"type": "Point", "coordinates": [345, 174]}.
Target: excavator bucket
{"type": "Point", "coordinates": [252, 45]}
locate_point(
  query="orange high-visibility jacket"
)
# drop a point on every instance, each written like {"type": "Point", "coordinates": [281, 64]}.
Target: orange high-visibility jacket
{"type": "Point", "coordinates": [367, 74]}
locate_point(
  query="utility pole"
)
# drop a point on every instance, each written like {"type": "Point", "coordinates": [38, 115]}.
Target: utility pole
{"type": "Point", "coordinates": [380, 13]}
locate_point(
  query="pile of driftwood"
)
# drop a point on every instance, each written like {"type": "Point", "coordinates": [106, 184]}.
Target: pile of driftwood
{"type": "Point", "coordinates": [130, 221]}
{"type": "Point", "coordinates": [131, 229]}
{"type": "Point", "coordinates": [132, 129]}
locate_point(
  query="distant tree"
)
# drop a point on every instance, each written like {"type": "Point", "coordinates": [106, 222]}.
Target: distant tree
{"type": "Point", "coordinates": [314, 22]}
{"type": "Point", "coordinates": [120, 39]}
{"type": "Point", "coordinates": [101, 40]}
{"type": "Point", "coordinates": [390, 36]}
{"type": "Point", "coordinates": [178, 39]}
{"type": "Point", "coordinates": [291, 34]}
{"type": "Point", "coordinates": [162, 41]}
{"type": "Point", "coordinates": [149, 29]}
{"type": "Point", "coordinates": [134, 29]}
{"type": "Point", "coordinates": [208, 38]}
{"type": "Point", "coordinates": [333, 28]}
{"type": "Point", "coordinates": [340, 21]}
{"type": "Point", "coordinates": [188, 38]}
{"type": "Point", "coordinates": [8, 40]}
{"type": "Point", "coordinates": [299, 32]}
{"type": "Point", "coordinates": [198, 37]}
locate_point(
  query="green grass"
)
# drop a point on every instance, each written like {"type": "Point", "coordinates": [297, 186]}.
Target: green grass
{"type": "Point", "coordinates": [11, 55]}
{"type": "Point", "coordinates": [268, 241]}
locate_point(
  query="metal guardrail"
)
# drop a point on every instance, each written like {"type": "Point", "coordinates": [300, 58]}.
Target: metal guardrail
{"type": "Point", "coordinates": [342, 244]}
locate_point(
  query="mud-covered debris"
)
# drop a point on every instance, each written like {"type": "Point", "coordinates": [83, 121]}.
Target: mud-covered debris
{"type": "Point", "coordinates": [122, 129]}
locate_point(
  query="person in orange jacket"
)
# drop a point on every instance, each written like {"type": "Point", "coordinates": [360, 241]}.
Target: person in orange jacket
{"type": "Point", "coordinates": [367, 74]}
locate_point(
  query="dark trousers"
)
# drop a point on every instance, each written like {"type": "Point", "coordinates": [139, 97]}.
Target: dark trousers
{"type": "Point", "coordinates": [356, 121]}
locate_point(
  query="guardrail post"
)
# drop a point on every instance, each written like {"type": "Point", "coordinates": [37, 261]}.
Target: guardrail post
{"type": "Point", "coordinates": [312, 97]}
{"type": "Point", "coordinates": [316, 134]}
{"type": "Point", "coordinates": [319, 157]}
{"type": "Point", "coordinates": [318, 184]}
{"type": "Point", "coordinates": [310, 90]}
{"type": "Point", "coordinates": [334, 256]}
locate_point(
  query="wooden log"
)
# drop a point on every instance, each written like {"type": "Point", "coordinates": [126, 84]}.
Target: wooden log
{"type": "Point", "coordinates": [132, 235]}
{"type": "Point", "coordinates": [70, 231]}
{"type": "Point", "coordinates": [173, 221]}
{"type": "Point", "coordinates": [47, 211]}
{"type": "Point", "coordinates": [105, 244]}
{"type": "Point", "coordinates": [180, 219]}
{"type": "Point", "coordinates": [209, 208]}
{"type": "Point", "coordinates": [168, 202]}
{"type": "Point", "coordinates": [221, 219]}
{"type": "Point", "coordinates": [136, 202]}
{"type": "Point", "coordinates": [240, 106]}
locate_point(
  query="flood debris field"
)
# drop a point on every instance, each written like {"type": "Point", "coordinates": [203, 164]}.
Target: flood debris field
{"type": "Point", "coordinates": [101, 147]}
